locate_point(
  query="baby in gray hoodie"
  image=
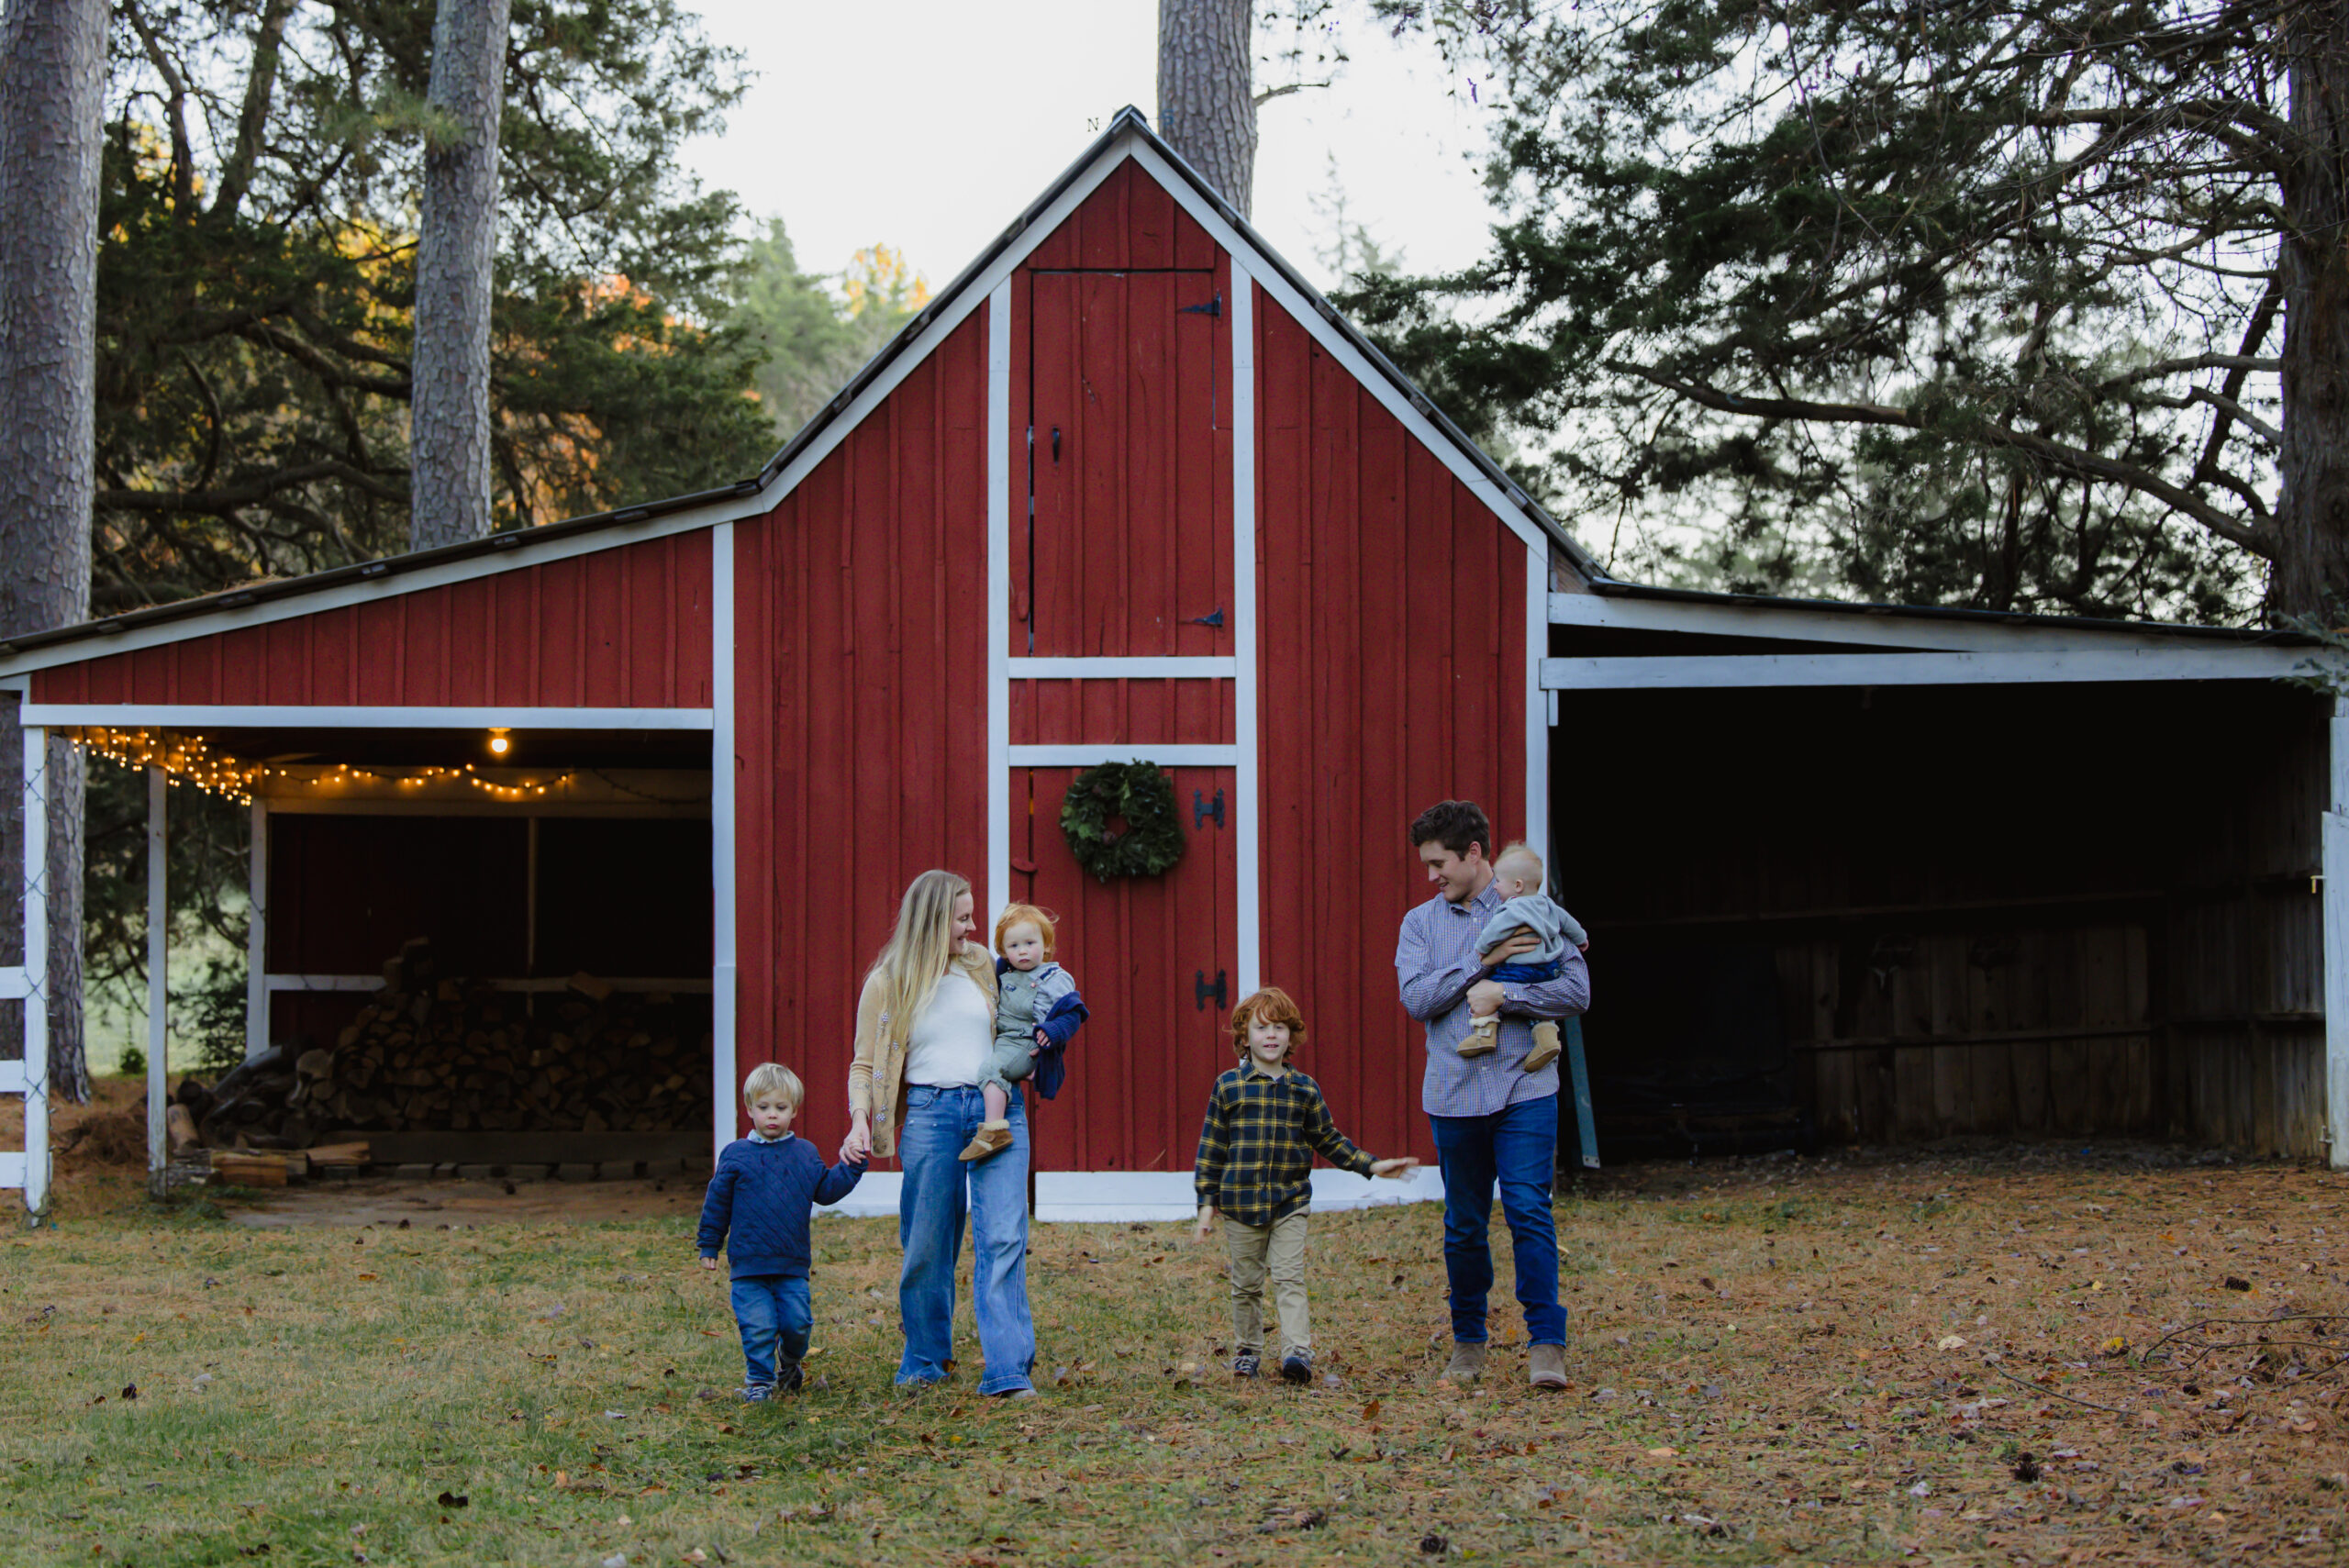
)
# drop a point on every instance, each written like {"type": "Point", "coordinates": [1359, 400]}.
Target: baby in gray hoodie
{"type": "Point", "coordinates": [1519, 872]}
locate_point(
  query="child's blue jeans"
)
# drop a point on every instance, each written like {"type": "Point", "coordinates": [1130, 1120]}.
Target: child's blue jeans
{"type": "Point", "coordinates": [1526, 973]}
{"type": "Point", "coordinates": [773, 1314]}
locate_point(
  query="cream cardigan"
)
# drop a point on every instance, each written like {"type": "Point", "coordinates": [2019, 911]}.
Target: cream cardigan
{"type": "Point", "coordinates": [876, 1077]}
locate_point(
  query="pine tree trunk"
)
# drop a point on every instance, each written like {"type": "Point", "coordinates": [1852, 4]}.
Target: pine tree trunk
{"type": "Point", "coordinates": [1207, 104]}
{"type": "Point", "coordinates": [52, 82]}
{"type": "Point", "coordinates": [2311, 574]}
{"type": "Point", "coordinates": [449, 457]}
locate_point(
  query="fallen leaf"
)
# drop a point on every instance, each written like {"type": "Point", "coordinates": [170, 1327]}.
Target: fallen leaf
{"type": "Point", "coordinates": [1952, 1341]}
{"type": "Point", "coordinates": [451, 1500]}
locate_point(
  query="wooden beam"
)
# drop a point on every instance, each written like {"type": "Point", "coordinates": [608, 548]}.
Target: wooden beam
{"type": "Point", "coordinates": [32, 1171]}
{"type": "Point", "coordinates": [2336, 946]}
{"type": "Point", "coordinates": [257, 934]}
{"type": "Point", "coordinates": [1678, 672]}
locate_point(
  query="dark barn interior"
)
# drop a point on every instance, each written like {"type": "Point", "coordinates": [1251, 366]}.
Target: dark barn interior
{"type": "Point", "coordinates": [1908, 913]}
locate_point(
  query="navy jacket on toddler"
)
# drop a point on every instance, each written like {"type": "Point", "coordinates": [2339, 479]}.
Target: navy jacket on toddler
{"type": "Point", "coordinates": [763, 1193]}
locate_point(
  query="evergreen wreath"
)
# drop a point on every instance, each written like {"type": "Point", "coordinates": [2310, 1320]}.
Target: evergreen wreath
{"type": "Point", "coordinates": [1153, 840]}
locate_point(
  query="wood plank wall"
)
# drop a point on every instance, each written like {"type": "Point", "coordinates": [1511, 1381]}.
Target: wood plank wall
{"type": "Point", "coordinates": [627, 626]}
{"type": "Point", "coordinates": [2058, 911]}
{"type": "Point", "coordinates": [861, 664]}
{"type": "Point", "coordinates": [1392, 609]}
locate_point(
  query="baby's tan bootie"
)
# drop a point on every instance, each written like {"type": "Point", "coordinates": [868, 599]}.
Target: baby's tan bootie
{"type": "Point", "coordinates": [1483, 1037]}
{"type": "Point", "coordinates": [993, 1137]}
{"type": "Point", "coordinates": [1545, 1047]}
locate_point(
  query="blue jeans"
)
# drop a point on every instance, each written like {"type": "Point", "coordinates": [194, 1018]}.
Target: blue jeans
{"type": "Point", "coordinates": [1517, 1146]}
{"type": "Point", "coordinates": [772, 1312]}
{"type": "Point", "coordinates": [930, 1208]}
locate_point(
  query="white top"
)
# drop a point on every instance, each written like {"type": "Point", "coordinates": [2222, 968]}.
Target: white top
{"type": "Point", "coordinates": [947, 1047]}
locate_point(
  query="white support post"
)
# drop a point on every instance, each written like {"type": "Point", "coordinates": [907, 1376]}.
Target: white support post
{"type": "Point", "coordinates": [1248, 824]}
{"type": "Point", "coordinates": [2336, 848]}
{"type": "Point", "coordinates": [724, 974]}
{"type": "Point", "coordinates": [159, 939]}
{"type": "Point", "coordinates": [257, 934]}
{"type": "Point", "coordinates": [1541, 707]}
{"type": "Point", "coordinates": [36, 1065]}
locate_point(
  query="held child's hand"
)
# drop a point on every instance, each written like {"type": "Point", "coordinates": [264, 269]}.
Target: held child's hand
{"type": "Point", "coordinates": [1401, 1166]}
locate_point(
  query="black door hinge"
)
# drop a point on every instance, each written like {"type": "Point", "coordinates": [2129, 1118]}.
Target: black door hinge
{"type": "Point", "coordinates": [1201, 810]}
{"type": "Point", "coordinates": [1201, 990]}
{"type": "Point", "coordinates": [1213, 308]}
{"type": "Point", "coordinates": [1213, 618]}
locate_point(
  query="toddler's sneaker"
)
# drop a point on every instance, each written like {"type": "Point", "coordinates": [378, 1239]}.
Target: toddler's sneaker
{"type": "Point", "coordinates": [789, 1379]}
{"type": "Point", "coordinates": [1483, 1037]}
{"type": "Point", "coordinates": [1297, 1367]}
{"type": "Point", "coordinates": [1545, 1047]}
{"type": "Point", "coordinates": [993, 1137]}
{"type": "Point", "coordinates": [756, 1394]}
{"type": "Point", "coordinates": [1245, 1364]}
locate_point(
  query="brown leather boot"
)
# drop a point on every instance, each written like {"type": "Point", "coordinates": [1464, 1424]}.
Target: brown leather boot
{"type": "Point", "coordinates": [1545, 1366]}
{"type": "Point", "coordinates": [993, 1137]}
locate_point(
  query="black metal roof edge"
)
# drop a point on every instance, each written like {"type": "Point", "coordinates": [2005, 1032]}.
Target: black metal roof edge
{"type": "Point", "coordinates": [1608, 588]}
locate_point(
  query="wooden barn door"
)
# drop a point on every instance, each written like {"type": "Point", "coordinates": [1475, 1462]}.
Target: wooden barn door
{"type": "Point", "coordinates": [1154, 957]}
{"type": "Point", "coordinates": [1121, 629]}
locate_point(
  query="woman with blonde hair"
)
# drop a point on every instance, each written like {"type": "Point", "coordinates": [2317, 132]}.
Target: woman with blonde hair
{"type": "Point", "coordinates": [925, 1026]}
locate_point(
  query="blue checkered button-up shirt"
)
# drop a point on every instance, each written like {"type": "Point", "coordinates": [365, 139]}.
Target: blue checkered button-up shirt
{"type": "Point", "coordinates": [1435, 961]}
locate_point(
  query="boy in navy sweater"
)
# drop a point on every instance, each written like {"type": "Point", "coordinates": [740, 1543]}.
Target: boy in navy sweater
{"type": "Point", "coordinates": [762, 1191]}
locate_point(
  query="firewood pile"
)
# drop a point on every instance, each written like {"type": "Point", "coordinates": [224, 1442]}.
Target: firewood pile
{"type": "Point", "coordinates": [433, 1051]}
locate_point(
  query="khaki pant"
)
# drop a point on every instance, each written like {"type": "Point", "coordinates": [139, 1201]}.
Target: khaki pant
{"type": "Point", "coordinates": [1254, 1248]}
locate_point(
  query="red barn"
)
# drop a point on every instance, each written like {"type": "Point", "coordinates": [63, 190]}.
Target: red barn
{"type": "Point", "coordinates": [1128, 488]}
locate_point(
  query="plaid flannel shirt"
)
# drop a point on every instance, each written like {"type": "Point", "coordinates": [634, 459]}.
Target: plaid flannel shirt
{"type": "Point", "coordinates": [1257, 1145]}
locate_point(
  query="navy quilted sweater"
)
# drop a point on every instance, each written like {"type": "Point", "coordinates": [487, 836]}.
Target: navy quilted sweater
{"type": "Point", "coordinates": [763, 1192]}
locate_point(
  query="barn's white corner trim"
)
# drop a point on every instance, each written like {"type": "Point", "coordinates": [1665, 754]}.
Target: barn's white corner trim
{"type": "Point", "coordinates": [998, 888]}
{"type": "Point", "coordinates": [725, 972]}
{"type": "Point", "coordinates": [29, 1170]}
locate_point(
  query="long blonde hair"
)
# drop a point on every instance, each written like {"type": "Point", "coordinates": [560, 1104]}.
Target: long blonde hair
{"type": "Point", "coordinates": [914, 959]}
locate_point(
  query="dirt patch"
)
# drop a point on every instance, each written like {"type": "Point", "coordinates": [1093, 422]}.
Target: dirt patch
{"type": "Point", "coordinates": [381, 1201]}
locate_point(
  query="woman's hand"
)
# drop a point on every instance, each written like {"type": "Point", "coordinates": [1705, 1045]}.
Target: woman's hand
{"type": "Point", "coordinates": [1396, 1167]}
{"type": "Point", "coordinates": [857, 1147]}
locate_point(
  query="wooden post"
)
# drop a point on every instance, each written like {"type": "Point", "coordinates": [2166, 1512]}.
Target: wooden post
{"type": "Point", "coordinates": [36, 1068]}
{"type": "Point", "coordinates": [159, 936]}
{"type": "Point", "coordinates": [2336, 946]}
{"type": "Point", "coordinates": [257, 935]}
{"type": "Point", "coordinates": [1585, 1121]}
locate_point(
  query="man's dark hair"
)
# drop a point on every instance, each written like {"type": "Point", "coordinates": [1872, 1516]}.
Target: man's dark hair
{"type": "Point", "coordinates": [1454, 824]}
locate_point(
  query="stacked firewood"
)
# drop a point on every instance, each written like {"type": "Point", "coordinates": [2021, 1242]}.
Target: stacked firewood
{"type": "Point", "coordinates": [429, 1051]}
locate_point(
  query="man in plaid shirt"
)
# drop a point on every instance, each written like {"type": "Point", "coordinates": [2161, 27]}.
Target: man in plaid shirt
{"type": "Point", "coordinates": [1493, 1122]}
{"type": "Point", "coordinates": [1264, 1124]}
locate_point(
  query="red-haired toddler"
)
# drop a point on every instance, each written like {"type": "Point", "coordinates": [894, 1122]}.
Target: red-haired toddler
{"type": "Point", "coordinates": [1266, 1122]}
{"type": "Point", "coordinates": [1037, 1011]}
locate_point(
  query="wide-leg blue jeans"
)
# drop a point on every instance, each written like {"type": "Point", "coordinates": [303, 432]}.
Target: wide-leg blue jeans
{"type": "Point", "coordinates": [1516, 1147]}
{"type": "Point", "coordinates": [939, 1190]}
{"type": "Point", "coordinates": [773, 1314]}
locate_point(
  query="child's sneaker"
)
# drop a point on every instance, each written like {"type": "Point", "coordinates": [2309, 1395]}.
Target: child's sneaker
{"type": "Point", "coordinates": [1545, 1047]}
{"type": "Point", "coordinates": [1245, 1364]}
{"type": "Point", "coordinates": [993, 1137]}
{"type": "Point", "coordinates": [1483, 1037]}
{"type": "Point", "coordinates": [756, 1394]}
{"type": "Point", "coordinates": [788, 1378]}
{"type": "Point", "coordinates": [1297, 1367]}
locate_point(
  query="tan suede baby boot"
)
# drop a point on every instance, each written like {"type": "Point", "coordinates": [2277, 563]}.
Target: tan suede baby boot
{"type": "Point", "coordinates": [1545, 1047]}
{"type": "Point", "coordinates": [1483, 1037]}
{"type": "Point", "coordinates": [993, 1137]}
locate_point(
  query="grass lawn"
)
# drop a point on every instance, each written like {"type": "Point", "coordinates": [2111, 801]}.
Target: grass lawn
{"type": "Point", "coordinates": [1769, 1359]}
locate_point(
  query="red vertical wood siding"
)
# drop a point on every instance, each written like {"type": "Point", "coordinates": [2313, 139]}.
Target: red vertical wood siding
{"type": "Point", "coordinates": [1392, 668]}
{"type": "Point", "coordinates": [861, 730]}
{"type": "Point", "coordinates": [1130, 223]}
{"type": "Point", "coordinates": [627, 626]}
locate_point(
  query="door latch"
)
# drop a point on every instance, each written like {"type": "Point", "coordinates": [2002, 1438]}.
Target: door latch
{"type": "Point", "coordinates": [1201, 810]}
{"type": "Point", "coordinates": [1056, 443]}
{"type": "Point", "coordinates": [1201, 990]}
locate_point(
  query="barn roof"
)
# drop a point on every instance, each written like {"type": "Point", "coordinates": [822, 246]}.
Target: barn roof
{"type": "Point", "coordinates": [759, 492]}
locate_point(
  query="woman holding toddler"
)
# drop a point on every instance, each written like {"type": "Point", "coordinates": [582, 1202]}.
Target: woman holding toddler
{"type": "Point", "coordinates": [925, 1027]}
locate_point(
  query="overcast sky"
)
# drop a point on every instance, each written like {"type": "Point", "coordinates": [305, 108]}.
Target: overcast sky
{"type": "Point", "coordinates": [929, 124]}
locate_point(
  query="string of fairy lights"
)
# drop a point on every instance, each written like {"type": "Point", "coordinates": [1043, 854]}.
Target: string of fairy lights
{"type": "Point", "coordinates": [190, 760]}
